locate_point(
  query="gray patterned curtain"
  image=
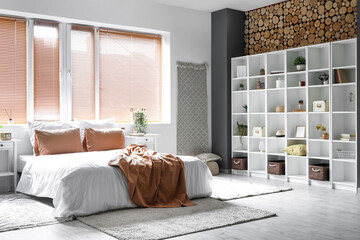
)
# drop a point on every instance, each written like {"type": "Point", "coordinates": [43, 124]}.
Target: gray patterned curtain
{"type": "Point", "coordinates": [192, 118]}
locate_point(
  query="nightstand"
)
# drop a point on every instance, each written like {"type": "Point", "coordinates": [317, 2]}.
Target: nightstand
{"type": "Point", "coordinates": [10, 145]}
{"type": "Point", "coordinates": [149, 140]}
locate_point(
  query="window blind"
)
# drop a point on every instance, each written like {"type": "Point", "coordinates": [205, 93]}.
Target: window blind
{"type": "Point", "coordinates": [46, 71]}
{"type": "Point", "coordinates": [13, 69]}
{"type": "Point", "coordinates": [130, 74]}
{"type": "Point", "coordinates": [83, 72]}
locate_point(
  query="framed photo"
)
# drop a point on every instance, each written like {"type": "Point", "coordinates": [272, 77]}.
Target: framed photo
{"type": "Point", "coordinates": [300, 131]}
{"type": "Point", "coordinates": [5, 136]}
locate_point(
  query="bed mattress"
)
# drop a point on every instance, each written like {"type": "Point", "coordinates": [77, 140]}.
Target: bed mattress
{"type": "Point", "coordinates": [22, 160]}
{"type": "Point", "coordinates": [83, 183]}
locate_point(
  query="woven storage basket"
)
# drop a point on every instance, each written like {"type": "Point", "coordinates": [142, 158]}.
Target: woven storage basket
{"type": "Point", "coordinates": [276, 167]}
{"type": "Point", "coordinates": [319, 171]}
{"type": "Point", "coordinates": [239, 163]}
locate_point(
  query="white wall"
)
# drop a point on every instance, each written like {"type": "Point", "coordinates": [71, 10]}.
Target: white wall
{"type": "Point", "coordinates": [190, 34]}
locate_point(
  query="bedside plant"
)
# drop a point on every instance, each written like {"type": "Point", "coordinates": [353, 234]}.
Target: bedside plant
{"type": "Point", "coordinates": [324, 78]}
{"type": "Point", "coordinates": [242, 130]}
{"type": "Point", "coordinates": [299, 62]}
{"type": "Point", "coordinates": [141, 121]}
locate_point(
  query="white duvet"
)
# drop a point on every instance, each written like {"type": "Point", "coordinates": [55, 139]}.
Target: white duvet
{"type": "Point", "coordinates": [83, 183]}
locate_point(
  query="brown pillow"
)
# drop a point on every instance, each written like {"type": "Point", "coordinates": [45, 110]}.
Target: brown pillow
{"type": "Point", "coordinates": [57, 141]}
{"type": "Point", "coordinates": [103, 139]}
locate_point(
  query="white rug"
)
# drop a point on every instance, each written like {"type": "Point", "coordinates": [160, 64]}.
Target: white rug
{"type": "Point", "coordinates": [160, 223]}
{"type": "Point", "coordinates": [228, 189]}
{"type": "Point", "coordinates": [18, 211]}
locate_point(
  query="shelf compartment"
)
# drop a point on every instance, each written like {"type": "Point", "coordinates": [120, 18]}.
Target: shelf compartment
{"type": "Point", "coordinates": [317, 94]}
{"type": "Point", "coordinates": [276, 146]}
{"type": "Point", "coordinates": [256, 63]}
{"type": "Point", "coordinates": [314, 120]}
{"type": "Point", "coordinates": [344, 146]}
{"type": "Point", "coordinates": [313, 78]}
{"type": "Point", "coordinates": [291, 55]}
{"type": "Point", "coordinates": [257, 102]}
{"type": "Point", "coordinates": [235, 62]}
{"type": "Point", "coordinates": [271, 82]}
{"type": "Point", "coordinates": [236, 84]}
{"type": "Point", "coordinates": [257, 163]}
{"type": "Point", "coordinates": [255, 120]}
{"type": "Point", "coordinates": [319, 56]}
{"type": "Point", "coordinates": [275, 99]}
{"type": "Point", "coordinates": [344, 172]}
{"type": "Point", "coordinates": [318, 149]}
{"type": "Point", "coordinates": [343, 124]}
{"type": "Point", "coordinates": [254, 145]}
{"type": "Point", "coordinates": [294, 120]}
{"type": "Point", "coordinates": [241, 119]}
{"type": "Point", "coordinates": [344, 98]}
{"type": "Point", "coordinates": [238, 145]}
{"type": "Point", "coordinates": [276, 61]}
{"type": "Point", "coordinates": [254, 81]}
{"type": "Point", "coordinates": [293, 80]}
{"type": "Point", "coordinates": [239, 100]}
{"type": "Point", "coordinates": [275, 123]}
{"type": "Point", "coordinates": [347, 76]}
{"type": "Point", "coordinates": [344, 53]}
{"type": "Point", "coordinates": [296, 167]}
{"type": "Point", "coordinates": [293, 97]}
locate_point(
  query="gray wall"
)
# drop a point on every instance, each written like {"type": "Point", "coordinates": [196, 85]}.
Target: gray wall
{"type": "Point", "coordinates": [227, 41]}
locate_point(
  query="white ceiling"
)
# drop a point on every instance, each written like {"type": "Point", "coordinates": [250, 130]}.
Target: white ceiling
{"type": "Point", "coordinates": [214, 5]}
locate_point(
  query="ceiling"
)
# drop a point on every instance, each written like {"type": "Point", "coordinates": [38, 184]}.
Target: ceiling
{"type": "Point", "coordinates": [214, 5]}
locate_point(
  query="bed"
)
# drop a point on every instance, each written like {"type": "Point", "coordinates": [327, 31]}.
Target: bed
{"type": "Point", "coordinates": [83, 183]}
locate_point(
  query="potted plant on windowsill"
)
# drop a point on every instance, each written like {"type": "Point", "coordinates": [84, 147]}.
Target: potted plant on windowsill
{"type": "Point", "coordinates": [299, 62]}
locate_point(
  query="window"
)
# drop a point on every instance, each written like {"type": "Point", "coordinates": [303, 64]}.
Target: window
{"type": "Point", "coordinates": [13, 69]}
{"type": "Point", "coordinates": [46, 71]}
{"type": "Point", "coordinates": [130, 75]}
{"type": "Point", "coordinates": [83, 72]}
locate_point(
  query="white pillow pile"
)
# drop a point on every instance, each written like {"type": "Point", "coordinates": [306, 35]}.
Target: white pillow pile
{"type": "Point", "coordinates": [95, 124]}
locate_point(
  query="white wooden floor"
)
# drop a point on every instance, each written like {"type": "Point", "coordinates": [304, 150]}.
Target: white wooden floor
{"type": "Point", "coordinates": [307, 212]}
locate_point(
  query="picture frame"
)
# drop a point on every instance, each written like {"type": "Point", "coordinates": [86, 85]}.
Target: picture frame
{"type": "Point", "coordinates": [5, 136]}
{"type": "Point", "coordinates": [300, 131]}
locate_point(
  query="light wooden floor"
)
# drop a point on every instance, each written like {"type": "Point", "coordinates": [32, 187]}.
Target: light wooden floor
{"type": "Point", "coordinates": [307, 212]}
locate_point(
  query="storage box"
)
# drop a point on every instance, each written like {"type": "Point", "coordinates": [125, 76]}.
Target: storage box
{"type": "Point", "coordinates": [258, 132]}
{"type": "Point", "coordinates": [276, 167]}
{"type": "Point", "coordinates": [319, 171]}
{"type": "Point", "coordinates": [241, 71]}
{"type": "Point", "coordinates": [239, 163]}
{"type": "Point", "coordinates": [321, 106]}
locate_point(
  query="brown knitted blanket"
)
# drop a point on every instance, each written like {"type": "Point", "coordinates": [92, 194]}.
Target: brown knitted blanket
{"type": "Point", "coordinates": [154, 179]}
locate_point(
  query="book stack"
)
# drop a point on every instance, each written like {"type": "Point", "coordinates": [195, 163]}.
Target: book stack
{"type": "Point", "coordinates": [340, 76]}
{"type": "Point", "coordinates": [347, 137]}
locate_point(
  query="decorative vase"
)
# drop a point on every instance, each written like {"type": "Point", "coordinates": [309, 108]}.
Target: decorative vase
{"type": "Point", "coordinates": [325, 136]}
{"type": "Point", "coordinates": [280, 109]}
{"type": "Point", "coordinates": [262, 146]}
{"type": "Point", "coordinates": [300, 67]}
{"type": "Point", "coordinates": [10, 121]}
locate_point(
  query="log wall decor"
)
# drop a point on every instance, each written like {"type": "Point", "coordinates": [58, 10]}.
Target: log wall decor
{"type": "Point", "coordinates": [296, 23]}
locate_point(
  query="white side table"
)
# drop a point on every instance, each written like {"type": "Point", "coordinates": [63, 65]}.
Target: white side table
{"type": "Point", "coordinates": [10, 145]}
{"type": "Point", "coordinates": [149, 140]}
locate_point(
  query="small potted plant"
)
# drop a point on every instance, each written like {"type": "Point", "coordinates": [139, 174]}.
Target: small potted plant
{"type": "Point", "coordinates": [141, 121]}
{"type": "Point", "coordinates": [241, 87]}
{"type": "Point", "coordinates": [299, 62]}
{"type": "Point", "coordinates": [262, 71]}
{"type": "Point", "coordinates": [324, 78]}
{"type": "Point", "coordinates": [242, 130]}
{"type": "Point", "coordinates": [323, 133]}
{"type": "Point", "coordinates": [245, 107]}
{"type": "Point", "coordinates": [301, 104]}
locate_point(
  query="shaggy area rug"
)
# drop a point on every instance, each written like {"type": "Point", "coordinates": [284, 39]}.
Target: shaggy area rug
{"type": "Point", "coordinates": [18, 211]}
{"type": "Point", "coordinates": [160, 223]}
{"type": "Point", "coordinates": [228, 189]}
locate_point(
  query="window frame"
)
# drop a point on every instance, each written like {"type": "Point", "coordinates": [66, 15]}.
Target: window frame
{"type": "Point", "coordinates": [65, 78]}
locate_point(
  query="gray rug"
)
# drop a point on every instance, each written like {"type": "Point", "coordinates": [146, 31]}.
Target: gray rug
{"type": "Point", "coordinates": [160, 223]}
{"type": "Point", "coordinates": [224, 189]}
{"type": "Point", "coordinates": [18, 211]}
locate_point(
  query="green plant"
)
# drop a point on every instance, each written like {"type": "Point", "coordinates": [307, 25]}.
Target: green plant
{"type": "Point", "coordinates": [141, 121]}
{"type": "Point", "coordinates": [245, 107]}
{"type": "Point", "coordinates": [323, 77]}
{"type": "Point", "coordinates": [241, 85]}
{"type": "Point", "coordinates": [301, 101]}
{"type": "Point", "coordinates": [242, 130]}
{"type": "Point", "coordinates": [299, 61]}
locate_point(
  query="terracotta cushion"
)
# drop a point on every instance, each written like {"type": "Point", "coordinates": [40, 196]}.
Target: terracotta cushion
{"type": "Point", "coordinates": [49, 142]}
{"type": "Point", "coordinates": [103, 139]}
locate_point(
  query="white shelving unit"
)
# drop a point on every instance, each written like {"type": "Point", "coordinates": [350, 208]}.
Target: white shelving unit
{"type": "Point", "coordinates": [261, 112]}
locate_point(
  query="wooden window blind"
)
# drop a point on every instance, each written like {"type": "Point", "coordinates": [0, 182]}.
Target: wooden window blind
{"type": "Point", "coordinates": [13, 69]}
{"type": "Point", "coordinates": [83, 72]}
{"type": "Point", "coordinates": [130, 74]}
{"type": "Point", "coordinates": [46, 71]}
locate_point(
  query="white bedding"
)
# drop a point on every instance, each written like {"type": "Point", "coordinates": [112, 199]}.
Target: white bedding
{"type": "Point", "coordinates": [83, 183]}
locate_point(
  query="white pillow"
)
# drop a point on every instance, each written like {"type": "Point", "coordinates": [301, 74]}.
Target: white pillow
{"type": "Point", "coordinates": [95, 124]}
{"type": "Point", "coordinates": [32, 126]}
{"type": "Point", "coordinates": [208, 157]}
